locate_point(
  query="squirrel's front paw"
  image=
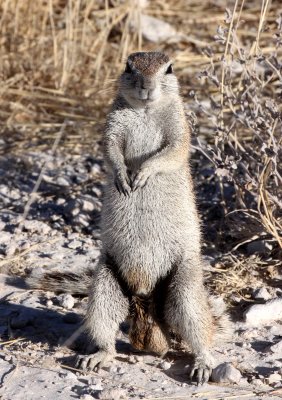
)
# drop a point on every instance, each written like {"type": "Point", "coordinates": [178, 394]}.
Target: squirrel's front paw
{"type": "Point", "coordinates": [141, 178]}
{"type": "Point", "coordinates": [122, 183]}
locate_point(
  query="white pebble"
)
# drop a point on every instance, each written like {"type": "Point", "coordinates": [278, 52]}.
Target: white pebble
{"type": "Point", "coordinates": [261, 294]}
{"type": "Point", "coordinates": [66, 301]}
{"type": "Point", "coordinates": [225, 372]}
{"type": "Point", "coordinates": [165, 365]}
{"type": "Point", "coordinates": [273, 378]}
{"type": "Point", "coordinates": [49, 303]}
{"type": "Point", "coordinates": [277, 348]}
{"type": "Point", "coordinates": [261, 314]}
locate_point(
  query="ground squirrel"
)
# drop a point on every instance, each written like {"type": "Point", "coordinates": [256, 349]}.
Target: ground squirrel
{"type": "Point", "coordinates": [151, 264]}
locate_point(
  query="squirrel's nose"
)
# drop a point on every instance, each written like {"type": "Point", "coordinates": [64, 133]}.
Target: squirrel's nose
{"type": "Point", "coordinates": [147, 84]}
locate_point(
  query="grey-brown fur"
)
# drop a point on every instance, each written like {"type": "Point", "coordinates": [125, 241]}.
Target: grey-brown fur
{"type": "Point", "coordinates": [150, 228]}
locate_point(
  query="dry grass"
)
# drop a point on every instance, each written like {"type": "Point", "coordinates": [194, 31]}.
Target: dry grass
{"type": "Point", "coordinates": [60, 58]}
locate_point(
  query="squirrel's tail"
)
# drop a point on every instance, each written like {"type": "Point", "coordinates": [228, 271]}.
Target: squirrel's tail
{"type": "Point", "coordinates": [146, 331]}
{"type": "Point", "coordinates": [61, 282]}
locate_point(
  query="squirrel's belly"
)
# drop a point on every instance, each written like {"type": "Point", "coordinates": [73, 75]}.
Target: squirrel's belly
{"type": "Point", "coordinates": [147, 230]}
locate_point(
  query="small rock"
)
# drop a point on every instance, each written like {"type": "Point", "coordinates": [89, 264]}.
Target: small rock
{"type": "Point", "coordinates": [261, 314]}
{"type": "Point", "coordinates": [63, 181]}
{"type": "Point", "coordinates": [66, 300]}
{"type": "Point", "coordinates": [225, 372]}
{"type": "Point", "coordinates": [276, 348]}
{"type": "Point", "coordinates": [60, 201]}
{"type": "Point", "coordinates": [81, 219]}
{"type": "Point", "coordinates": [132, 359]}
{"type": "Point", "coordinates": [112, 394]}
{"type": "Point", "coordinates": [261, 294]}
{"type": "Point", "coordinates": [154, 29]}
{"type": "Point", "coordinates": [275, 330]}
{"type": "Point", "coordinates": [96, 386]}
{"type": "Point", "coordinates": [88, 203]}
{"type": "Point", "coordinates": [74, 244]}
{"type": "Point", "coordinates": [273, 378]}
{"type": "Point", "coordinates": [49, 303]}
{"type": "Point", "coordinates": [11, 249]}
{"type": "Point", "coordinates": [165, 365]}
{"type": "Point", "coordinates": [95, 169]}
{"type": "Point", "coordinates": [245, 366]}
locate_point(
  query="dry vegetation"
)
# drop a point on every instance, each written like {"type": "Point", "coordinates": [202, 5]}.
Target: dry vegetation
{"type": "Point", "coordinates": [59, 59]}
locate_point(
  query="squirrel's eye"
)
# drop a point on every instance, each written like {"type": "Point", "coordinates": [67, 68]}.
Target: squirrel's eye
{"type": "Point", "coordinates": [128, 69]}
{"type": "Point", "coordinates": [169, 69]}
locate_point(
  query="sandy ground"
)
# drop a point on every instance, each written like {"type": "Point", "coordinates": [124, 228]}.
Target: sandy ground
{"type": "Point", "coordinates": [61, 232]}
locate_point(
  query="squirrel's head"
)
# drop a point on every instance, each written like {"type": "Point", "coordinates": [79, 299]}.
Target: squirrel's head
{"type": "Point", "coordinates": [148, 77]}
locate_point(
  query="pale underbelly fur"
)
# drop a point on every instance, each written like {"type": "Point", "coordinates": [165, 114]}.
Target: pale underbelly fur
{"type": "Point", "coordinates": [142, 233]}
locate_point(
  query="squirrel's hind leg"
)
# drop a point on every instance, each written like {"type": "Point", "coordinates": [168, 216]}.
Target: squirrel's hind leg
{"type": "Point", "coordinates": [188, 314]}
{"type": "Point", "coordinates": [107, 308]}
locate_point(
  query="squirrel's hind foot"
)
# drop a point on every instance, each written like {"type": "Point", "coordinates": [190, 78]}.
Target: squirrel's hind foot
{"type": "Point", "coordinates": [201, 369]}
{"type": "Point", "coordinates": [94, 361]}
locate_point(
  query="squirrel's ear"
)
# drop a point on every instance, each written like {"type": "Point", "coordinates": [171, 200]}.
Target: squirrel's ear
{"type": "Point", "coordinates": [169, 69]}
{"type": "Point", "coordinates": [128, 69]}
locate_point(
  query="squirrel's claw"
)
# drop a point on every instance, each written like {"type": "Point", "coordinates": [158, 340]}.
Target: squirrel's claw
{"type": "Point", "coordinates": [140, 179]}
{"type": "Point", "coordinates": [202, 375]}
{"type": "Point", "coordinates": [94, 361]}
{"type": "Point", "coordinates": [201, 372]}
{"type": "Point", "coordinates": [122, 184]}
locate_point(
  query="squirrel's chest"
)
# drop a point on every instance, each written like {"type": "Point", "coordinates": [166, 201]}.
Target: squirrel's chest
{"type": "Point", "coordinates": [143, 138]}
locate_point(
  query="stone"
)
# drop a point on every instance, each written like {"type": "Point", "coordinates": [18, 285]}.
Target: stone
{"type": "Point", "coordinates": [74, 244]}
{"type": "Point", "coordinates": [49, 303]}
{"type": "Point", "coordinates": [132, 359]}
{"type": "Point", "coordinates": [275, 330]}
{"type": "Point", "coordinates": [81, 219]}
{"type": "Point", "coordinates": [261, 314]}
{"type": "Point", "coordinates": [261, 294]}
{"type": "Point", "coordinates": [88, 204]}
{"type": "Point", "coordinates": [165, 365]}
{"type": "Point", "coordinates": [225, 372]}
{"type": "Point", "coordinates": [96, 386]}
{"type": "Point", "coordinates": [66, 300]}
{"type": "Point", "coordinates": [11, 249]}
{"type": "Point", "coordinates": [273, 378]}
{"type": "Point", "coordinates": [276, 348]}
{"type": "Point", "coordinates": [63, 181]}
